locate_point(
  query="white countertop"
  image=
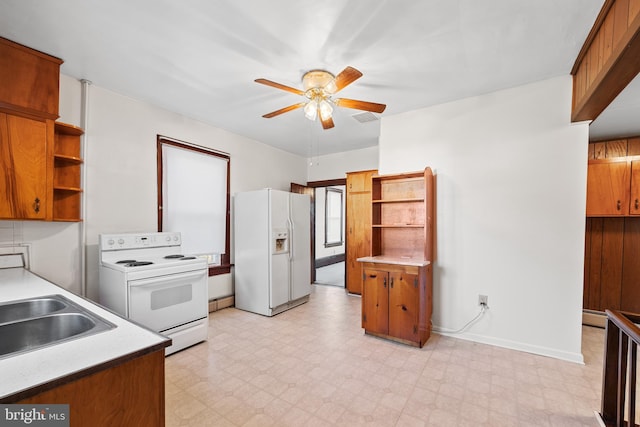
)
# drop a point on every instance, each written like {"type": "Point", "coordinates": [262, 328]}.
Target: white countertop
{"type": "Point", "coordinates": [26, 370]}
{"type": "Point", "coordinates": [384, 259]}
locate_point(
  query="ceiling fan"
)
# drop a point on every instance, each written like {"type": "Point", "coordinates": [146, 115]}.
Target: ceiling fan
{"type": "Point", "coordinates": [319, 87]}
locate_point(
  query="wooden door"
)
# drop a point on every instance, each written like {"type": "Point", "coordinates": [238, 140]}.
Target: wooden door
{"type": "Point", "coordinates": [358, 227]}
{"type": "Point", "coordinates": [634, 194]}
{"type": "Point", "coordinates": [23, 158]}
{"type": "Point", "coordinates": [608, 184]}
{"type": "Point", "coordinates": [404, 305]}
{"type": "Point", "coordinates": [375, 301]}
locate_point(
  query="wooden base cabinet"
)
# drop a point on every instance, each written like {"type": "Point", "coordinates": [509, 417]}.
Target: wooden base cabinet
{"type": "Point", "coordinates": [130, 394]}
{"type": "Point", "coordinates": [397, 301]}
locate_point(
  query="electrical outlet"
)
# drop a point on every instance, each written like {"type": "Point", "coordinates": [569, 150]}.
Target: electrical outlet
{"type": "Point", "coordinates": [483, 300]}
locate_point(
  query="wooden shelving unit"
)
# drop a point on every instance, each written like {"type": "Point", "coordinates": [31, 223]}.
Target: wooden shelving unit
{"type": "Point", "coordinates": [67, 170]}
{"type": "Point", "coordinates": [397, 280]}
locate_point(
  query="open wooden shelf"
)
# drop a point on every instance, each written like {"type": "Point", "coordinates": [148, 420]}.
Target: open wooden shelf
{"type": "Point", "coordinates": [67, 170]}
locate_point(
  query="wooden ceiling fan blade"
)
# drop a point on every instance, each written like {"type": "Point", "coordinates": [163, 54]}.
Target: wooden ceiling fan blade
{"type": "Point", "coordinates": [279, 86]}
{"type": "Point", "coordinates": [360, 105]}
{"type": "Point", "coordinates": [342, 80]}
{"type": "Point", "coordinates": [284, 110]}
{"type": "Point", "coordinates": [326, 123]}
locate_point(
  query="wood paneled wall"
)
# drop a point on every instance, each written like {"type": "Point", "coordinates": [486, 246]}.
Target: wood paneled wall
{"type": "Point", "coordinates": [612, 247]}
{"type": "Point", "coordinates": [609, 58]}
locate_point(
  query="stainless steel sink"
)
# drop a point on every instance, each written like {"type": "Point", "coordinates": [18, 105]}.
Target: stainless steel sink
{"type": "Point", "coordinates": [35, 323]}
{"type": "Point", "coordinates": [26, 309]}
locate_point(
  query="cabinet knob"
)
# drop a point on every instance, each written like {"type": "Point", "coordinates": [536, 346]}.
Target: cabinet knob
{"type": "Point", "coordinates": [636, 204]}
{"type": "Point", "coordinates": [384, 282]}
{"type": "Point", "coordinates": [618, 205]}
{"type": "Point", "coordinates": [404, 308]}
{"type": "Point", "coordinates": [391, 284]}
{"type": "Point", "coordinates": [36, 205]}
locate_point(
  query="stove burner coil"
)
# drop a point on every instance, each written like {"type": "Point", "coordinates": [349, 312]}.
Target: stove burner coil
{"type": "Point", "coordinates": [187, 257]}
{"type": "Point", "coordinates": [174, 256]}
{"type": "Point", "coordinates": [138, 263]}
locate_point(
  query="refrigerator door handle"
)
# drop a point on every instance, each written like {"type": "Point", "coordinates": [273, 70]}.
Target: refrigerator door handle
{"type": "Point", "coordinates": [290, 237]}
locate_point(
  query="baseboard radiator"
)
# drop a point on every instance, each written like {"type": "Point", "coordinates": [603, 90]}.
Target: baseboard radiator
{"type": "Point", "coordinates": [619, 386]}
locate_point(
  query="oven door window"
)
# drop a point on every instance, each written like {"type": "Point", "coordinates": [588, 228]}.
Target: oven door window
{"type": "Point", "coordinates": [164, 302]}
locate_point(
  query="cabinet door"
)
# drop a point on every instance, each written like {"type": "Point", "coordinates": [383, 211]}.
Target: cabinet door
{"type": "Point", "coordinates": [404, 305]}
{"type": "Point", "coordinates": [608, 188]}
{"type": "Point", "coordinates": [634, 199]}
{"type": "Point", "coordinates": [375, 301]}
{"type": "Point", "coordinates": [359, 181]}
{"type": "Point", "coordinates": [23, 157]}
{"type": "Point", "coordinates": [358, 225]}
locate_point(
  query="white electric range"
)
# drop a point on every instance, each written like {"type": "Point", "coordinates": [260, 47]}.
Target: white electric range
{"type": "Point", "coordinates": [147, 278]}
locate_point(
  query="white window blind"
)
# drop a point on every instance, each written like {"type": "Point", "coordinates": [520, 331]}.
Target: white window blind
{"type": "Point", "coordinates": [194, 198]}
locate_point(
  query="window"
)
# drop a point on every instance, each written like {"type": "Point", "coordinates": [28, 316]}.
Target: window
{"type": "Point", "coordinates": [193, 198]}
{"type": "Point", "coordinates": [333, 217]}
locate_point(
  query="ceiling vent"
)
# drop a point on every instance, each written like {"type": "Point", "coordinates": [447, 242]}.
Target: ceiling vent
{"type": "Point", "coordinates": [365, 117]}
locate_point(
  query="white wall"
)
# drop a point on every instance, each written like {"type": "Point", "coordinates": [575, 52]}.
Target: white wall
{"type": "Point", "coordinates": [334, 166]}
{"type": "Point", "coordinates": [511, 191]}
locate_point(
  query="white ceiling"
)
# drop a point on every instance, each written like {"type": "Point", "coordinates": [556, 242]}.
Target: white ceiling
{"type": "Point", "coordinates": [200, 58]}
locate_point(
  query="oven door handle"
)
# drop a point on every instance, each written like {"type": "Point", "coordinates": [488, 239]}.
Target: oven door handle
{"type": "Point", "coordinates": [168, 279]}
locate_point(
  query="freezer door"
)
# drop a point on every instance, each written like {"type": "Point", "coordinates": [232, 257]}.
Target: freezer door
{"type": "Point", "coordinates": [300, 245]}
{"type": "Point", "coordinates": [252, 231]}
{"type": "Point", "coordinates": [279, 263]}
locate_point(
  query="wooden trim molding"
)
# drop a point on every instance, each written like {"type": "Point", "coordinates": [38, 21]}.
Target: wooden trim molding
{"type": "Point", "coordinates": [225, 258]}
{"type": "Point", "coordinates": [609, 59]}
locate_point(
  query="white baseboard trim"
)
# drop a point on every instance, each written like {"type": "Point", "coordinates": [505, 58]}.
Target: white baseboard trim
{"type": "Point", "coordinates": [515, 345]}
{"type": "Point", "coordinates": [599, 419]}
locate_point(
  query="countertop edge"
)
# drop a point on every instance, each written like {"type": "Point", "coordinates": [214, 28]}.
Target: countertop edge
{"type": "Point", "coordinates": [383, 259]}
{"type": "Point", "coordinates": [56, 382]}
{"type": "Point", "coordinates": [28, 378]}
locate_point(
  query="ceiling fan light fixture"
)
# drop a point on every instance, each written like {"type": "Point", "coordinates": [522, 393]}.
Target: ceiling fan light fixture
{"type": "Point", "coordinates": [325, 109]}
{"type": "Point", "coordinates": [316, 79]}
{"type": "Point", "coordinates": [311, 110]}
{"type": "Point", "coordinates": [319, 87]}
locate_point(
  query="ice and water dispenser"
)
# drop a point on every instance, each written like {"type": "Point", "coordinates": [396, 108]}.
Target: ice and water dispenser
{"type": "Point", "coordinates": [280, 241]}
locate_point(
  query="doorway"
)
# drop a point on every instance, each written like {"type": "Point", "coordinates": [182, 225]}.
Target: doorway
{"type": "Point", "coordinates": [328, 232]}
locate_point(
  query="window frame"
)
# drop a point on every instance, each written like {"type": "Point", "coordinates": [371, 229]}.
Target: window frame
{"type": "Point", "coordinates": [340, 241]}
{"type": "Point", "coordinates": [225, 258]}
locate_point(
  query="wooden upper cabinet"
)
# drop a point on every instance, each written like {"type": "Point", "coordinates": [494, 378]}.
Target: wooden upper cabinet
{"type": "Point", "coordinates": [634, 193]}
{"type": "Point", "coordinates": [30, 80]}
{"type": "Point", "coordinates": [24, 161]}
{"type": "Point", "coordinates": [613, 187]}
{"type": "Point", "coordinates": [41, 161]}
{"type": "Point", "coordinates": [359, 181]}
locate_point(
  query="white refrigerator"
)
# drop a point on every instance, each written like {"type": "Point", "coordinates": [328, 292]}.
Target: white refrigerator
{"type": "Point", "coordinates": [272, 250]}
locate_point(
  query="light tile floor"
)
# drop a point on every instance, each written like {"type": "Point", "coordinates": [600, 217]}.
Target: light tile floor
{"type": "Point", "coordinates": [313, 366]}
{"type": "Point", "coordinates": [332, 274]}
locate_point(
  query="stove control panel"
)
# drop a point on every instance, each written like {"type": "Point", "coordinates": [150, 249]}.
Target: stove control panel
{"type": "Point", "coordinates": [139, 240]}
